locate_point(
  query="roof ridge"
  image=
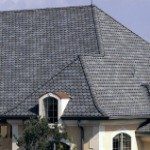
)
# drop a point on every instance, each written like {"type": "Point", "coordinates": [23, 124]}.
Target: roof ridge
{"type": "Point", "coordinates": [94, 102]}
{"type": "Point", "coordinates": [46, 82]}
{"type": "Point", "coordinates": [95, 29]}
{"type": "Point", "coordinates": [121, 24]}
{"type": "Point", "coordinates": [47, 8]}
{"type": "Point", "coordinates": [99, 41]}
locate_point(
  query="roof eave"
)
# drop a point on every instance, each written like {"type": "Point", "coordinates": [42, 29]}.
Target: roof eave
{"type": "Point", "coordinates": [83, 118]}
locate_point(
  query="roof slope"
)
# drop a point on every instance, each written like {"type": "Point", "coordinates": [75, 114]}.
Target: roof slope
{"type": "Point", "coordinates": [116, 85]}
{"type": "Point", "coordinates": [38, 48]}
{"type": "Point", "coordinates": [36, 44]}
{"type": "Point", "coordinates": [118, 41]}
{"type": "Point", "coordinates": [70, 79]}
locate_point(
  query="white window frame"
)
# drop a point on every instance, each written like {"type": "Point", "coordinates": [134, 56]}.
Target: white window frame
{"type": "Point", "coordinates": [131, 133]}
{"type": "Point", "coordinates": [121, 133]}
{"type": "Point", "coordinates": [62, 103]}
{"type": "Point", "coordinates": [42, 106]}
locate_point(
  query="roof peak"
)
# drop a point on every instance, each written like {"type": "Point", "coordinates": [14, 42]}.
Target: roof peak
{"type": "Point", "coordinates": [47, 8]}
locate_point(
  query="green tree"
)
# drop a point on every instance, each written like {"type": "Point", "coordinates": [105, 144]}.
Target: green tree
{"type": "Point", "coordinates": [37, 135]}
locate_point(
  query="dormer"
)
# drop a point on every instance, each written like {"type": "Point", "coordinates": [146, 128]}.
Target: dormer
{"type": "Point", "coordinates": [52, 106]}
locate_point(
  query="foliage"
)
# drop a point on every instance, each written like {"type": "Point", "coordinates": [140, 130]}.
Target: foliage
{"type": "Point", "coordinates": [38, 135]}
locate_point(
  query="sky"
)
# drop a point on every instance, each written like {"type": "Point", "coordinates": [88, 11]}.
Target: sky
{"type": "Point", "coordinates": [134, 14]}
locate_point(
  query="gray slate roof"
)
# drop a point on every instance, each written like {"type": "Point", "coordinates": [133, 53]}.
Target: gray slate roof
{"type": "Point", "coordinates": [70, 79]}
{"type": "Point", "coordinates": [145, 128]}
{"type": "Point", "coordinates": [40, 53]}
{"type": "Point", "coordinates": [116, 85]}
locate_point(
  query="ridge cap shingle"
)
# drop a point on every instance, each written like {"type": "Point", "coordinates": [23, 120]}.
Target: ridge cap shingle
{"type": "Point", "coordinates": [42, 9]}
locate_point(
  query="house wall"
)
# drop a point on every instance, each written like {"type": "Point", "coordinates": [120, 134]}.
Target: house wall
{"type": "Point", "coordinates": [146, 145]}
{"type": "Point", "coordinates": [91, 135]}
{"type": "Point", "coordinates": [109, 129]}
{"type": "Point", "coordinates": [6, 143]}
{"type": "Point", "coordinates": [139, 144]}
{"type": "Point", "coordinates": [98, 135]}
{"type": "Point", "coordinates": [16, 131]}
{"type": "Point", "coordinates": [74, 136]}
{"type": "Point", "coordinates": [144, 142]}
{"type": "Point", "coordinates": [91, 139]}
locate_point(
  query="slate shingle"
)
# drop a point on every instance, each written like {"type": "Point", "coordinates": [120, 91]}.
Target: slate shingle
{"type": "Point", "coordinates": [37, 44]}
{"type": "Point", "coordinates": [117, 40]}
{"type": "Point", "coordinates": [72, 80]}
{"type": "Point", "coordinates": [116, 85]}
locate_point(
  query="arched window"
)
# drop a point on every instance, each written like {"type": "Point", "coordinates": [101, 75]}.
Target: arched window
{"type": "Point", "coordinates": [52, 106]}
{"type": "Point", "coordinates": [51, 109]}
{"type": "Point", "coordinates": [122, 141]}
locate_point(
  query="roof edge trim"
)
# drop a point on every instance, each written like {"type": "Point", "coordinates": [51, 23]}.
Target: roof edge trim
{"type": "Point", "coordinates": [84, 118]}
{"type": "Point", "coordinates": [122, 24]}
{"type": "Point", "coordinates": [47, 8]}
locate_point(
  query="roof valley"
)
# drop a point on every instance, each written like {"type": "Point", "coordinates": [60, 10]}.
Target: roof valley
{"type": "Point", "coordinates": [90, 88]}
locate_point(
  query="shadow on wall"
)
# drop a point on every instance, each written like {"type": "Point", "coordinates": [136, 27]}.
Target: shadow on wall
{"type": "Point", "coordinates": [6, 136]}
{"type": "Point", "coordinates": [91, 136]}
{"type": "Point", "coordinates": [143, 142]}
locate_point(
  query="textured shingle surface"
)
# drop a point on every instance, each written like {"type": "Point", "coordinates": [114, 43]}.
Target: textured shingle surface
{"type": "Point", "coordinates": [36, 44]}
{"type": "Point", "coordinates": [116, 85]}
{"type": "Point", "coordinates": [117, 40]}
{"type": "Point", "coordinates": [39, 51]}
{"type": "Point", "coordinates": [72, 80]}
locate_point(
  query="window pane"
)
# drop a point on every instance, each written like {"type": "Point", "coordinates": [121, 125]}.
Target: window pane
{"type": "Point", "coordinates": [122, 142]}
{"type": "Point", "coordinates": [117, 142]}
{"type": "Point", "coordinates": [52, 109]}
{"type": "Point", "coordinates": [126, 142]}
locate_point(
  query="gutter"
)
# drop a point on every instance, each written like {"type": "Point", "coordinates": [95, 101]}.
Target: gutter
{"type": "Point", "coordinates": [23, 117]}
{"type": "Point", "coordinates": [81, 134]}
{"type": "Point", "coordinates": [83, 118]}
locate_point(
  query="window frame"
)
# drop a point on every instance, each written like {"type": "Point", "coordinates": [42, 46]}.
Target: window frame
{"type": "Point", "coordinates": [51, 102]}
{"type": "Point", "coordinates": [122, 134]}
{"type": "Point", "coordinates": [62, 98]}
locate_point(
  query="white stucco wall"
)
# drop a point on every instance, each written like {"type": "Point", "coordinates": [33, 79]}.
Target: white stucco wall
{"type": "Point", "coordinates": [15, 132]}
{"type": "Point", "coordinates": [109, 129]}
{"type": "Point", "coordinates": [91, 134]}
{"type": "Point", "coordinates": [62, 103]}
{"type": "Point", "coordinates": [98, 134]}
